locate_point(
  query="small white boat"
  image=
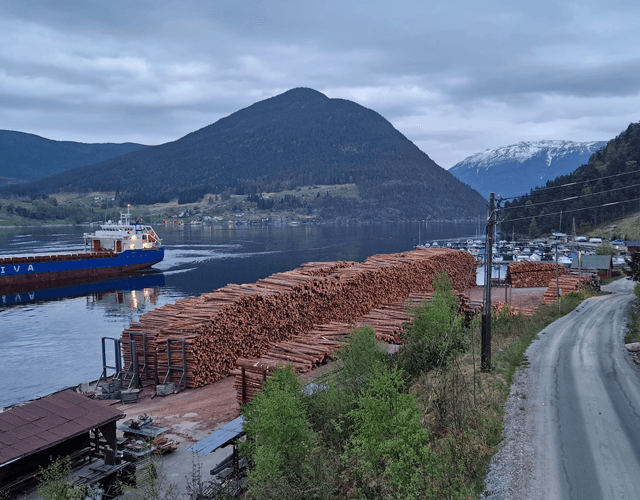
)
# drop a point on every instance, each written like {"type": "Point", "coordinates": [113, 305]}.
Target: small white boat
{"type": "Point", "coordinates": [565, 261]}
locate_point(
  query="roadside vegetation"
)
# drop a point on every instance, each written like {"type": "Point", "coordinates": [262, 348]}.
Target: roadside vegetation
{"type": "Point", "coordinates": [633, 333]}
{"type": "Point", "coordinates": [423, 423]}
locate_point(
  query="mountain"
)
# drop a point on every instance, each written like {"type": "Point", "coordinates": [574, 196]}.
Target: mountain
{"type": "Point", "coordinates": [25, 157]}
{"type": "Point", "coordinates": [297, 138]}
{"type": "Point", "coordinates": [602, 190]}
{"type": "Point", "coordinates": [516, 169]}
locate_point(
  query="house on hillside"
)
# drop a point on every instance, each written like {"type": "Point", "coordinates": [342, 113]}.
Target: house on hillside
{"type": "Point", "coordinates": [632, 246]}
{"type": "Point", "coordinates": [603, 264]}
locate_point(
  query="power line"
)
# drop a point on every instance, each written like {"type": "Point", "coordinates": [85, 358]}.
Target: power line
{"type": "Point", "coordinates": [569, 211]}
{"type": "Point", "coordinates": [569, 184]}
{"type": "Point", "coordinates": [570, 198]}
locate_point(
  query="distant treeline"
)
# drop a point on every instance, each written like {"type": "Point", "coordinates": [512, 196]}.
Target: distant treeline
{"type": "Point", "coordinates": [47, 209]}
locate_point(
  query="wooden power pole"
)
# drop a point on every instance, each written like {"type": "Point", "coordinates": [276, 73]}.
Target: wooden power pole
{"type": "Point", "coordinates": [485, 355]}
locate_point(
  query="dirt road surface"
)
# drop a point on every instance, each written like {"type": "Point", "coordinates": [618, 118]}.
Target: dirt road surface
{"type": "Point", "coordinates": [572, 425]}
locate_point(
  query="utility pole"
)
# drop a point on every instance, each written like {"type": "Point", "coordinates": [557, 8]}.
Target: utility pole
{"type": "Point", "coordinates": [485, 356]}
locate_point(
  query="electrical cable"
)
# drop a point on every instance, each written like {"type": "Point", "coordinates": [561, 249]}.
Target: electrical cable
{"type": "Point", "coordinates": [570, 210]}
{"type": "Point", "coordinates": [569, 184]}
{"type": "Point", "coordinates": [570, 198]}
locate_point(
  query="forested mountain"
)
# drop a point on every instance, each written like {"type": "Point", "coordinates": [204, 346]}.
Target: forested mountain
{"type": "Point", "coordinates": [516, 169]}
{"type": "Point", "coordinates": [297, 138]}
{"type": "Point", "coordinates": [25, 157]}
{"type": "Point", "coordinates": [606, 188]}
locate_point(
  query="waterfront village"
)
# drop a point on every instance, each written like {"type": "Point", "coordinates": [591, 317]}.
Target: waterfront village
{"type": "Point", "coordinates": [173, 400]}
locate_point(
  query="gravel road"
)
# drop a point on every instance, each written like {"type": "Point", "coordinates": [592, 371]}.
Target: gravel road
{"type": "Point", "coordinates": [572, 420]}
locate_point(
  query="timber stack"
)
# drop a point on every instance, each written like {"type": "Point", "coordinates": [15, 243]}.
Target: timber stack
{"type": "Point", "coordinates": [567, 284]}
{"type": "Point", "coordinates": [306, 352]}
{"type": "Point", "coordinates": [526, 274]}
{"type": "Point", "coordinates": [244, 321]}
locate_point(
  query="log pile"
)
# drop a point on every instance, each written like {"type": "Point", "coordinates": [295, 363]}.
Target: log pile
{"type": "Point", "coordinates": [243, 321]}
{"type": "Point", "coordinates": [568, 284]}
{"type": "Point", "coordinates": [526, 274]}
{"type": "Point", "coordinates": [314, 348]}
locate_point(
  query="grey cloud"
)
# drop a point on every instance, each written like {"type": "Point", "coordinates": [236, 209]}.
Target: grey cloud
{"type": "Point", "coordinates": [162, 69]}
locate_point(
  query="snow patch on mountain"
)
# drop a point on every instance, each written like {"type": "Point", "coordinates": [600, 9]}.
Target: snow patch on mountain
{"type": "Point", "coordinates": [517, 168]}
{"type": "Point", "coordinates": [524, 151]}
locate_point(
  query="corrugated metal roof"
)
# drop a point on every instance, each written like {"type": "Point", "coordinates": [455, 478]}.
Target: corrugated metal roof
{"type": "Point", "coordinates": [632, 243]}
{"type": "Point", "coordinates": [219, 438]}
{"type": "Point", "coordinates": [592, 262]}
{"type": "Point", "coordinates": [48, 421]}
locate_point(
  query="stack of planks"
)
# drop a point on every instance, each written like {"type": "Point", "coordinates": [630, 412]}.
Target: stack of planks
{"type": "Point", "coordinates": [525, 274]}
{"type": "Point", "coordinates": [568, 284]}
{"type": "Point", "coordinates": [243, 321]}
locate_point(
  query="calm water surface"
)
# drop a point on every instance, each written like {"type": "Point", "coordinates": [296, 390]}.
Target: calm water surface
{"type": "Point", "coordinates": [52, 339]}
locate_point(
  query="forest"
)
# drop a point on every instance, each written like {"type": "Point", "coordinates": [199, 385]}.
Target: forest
{"type": "Point", "coordinates": [602, 191]}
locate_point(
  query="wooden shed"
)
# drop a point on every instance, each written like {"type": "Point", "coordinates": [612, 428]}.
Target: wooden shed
{"type": "Point", "coordinates": [603, 264]}
{"type": "Point", "coordinates": [58, 425]}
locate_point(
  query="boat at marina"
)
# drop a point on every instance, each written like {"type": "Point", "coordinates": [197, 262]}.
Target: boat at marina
{"type": "Point", "coordinates": [115, 249]}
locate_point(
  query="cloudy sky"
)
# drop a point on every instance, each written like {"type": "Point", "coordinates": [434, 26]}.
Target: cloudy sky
{"type": "Point", "coordinates": [456, 77]}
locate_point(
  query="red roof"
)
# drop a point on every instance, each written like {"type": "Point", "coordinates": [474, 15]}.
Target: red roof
{"type": "Point", "coordinates": [48, 421]}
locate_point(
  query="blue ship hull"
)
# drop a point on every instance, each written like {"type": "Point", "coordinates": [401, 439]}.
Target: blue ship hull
{"type": "Point", "coordinates": [136, 282]}
{"type": "Point", "coordinates": [51, 270]}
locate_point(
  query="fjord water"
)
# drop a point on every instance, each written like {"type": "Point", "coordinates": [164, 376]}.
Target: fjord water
{"type": "Point", "coordinates": [52, 339]}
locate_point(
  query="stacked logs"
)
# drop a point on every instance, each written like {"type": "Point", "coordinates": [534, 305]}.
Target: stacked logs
{"type": "Point", "coordinates": [568, 284]}
{"type": "Point", "coordinates": [243, 321]}
{"type": "Point", "coordinates": [526, 274]}
{"type": "Point", "coordinates": [314, 348]}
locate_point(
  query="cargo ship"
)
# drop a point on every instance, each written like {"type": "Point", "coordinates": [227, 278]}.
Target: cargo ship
{"type": "Point", "coordinates": [114, 250]}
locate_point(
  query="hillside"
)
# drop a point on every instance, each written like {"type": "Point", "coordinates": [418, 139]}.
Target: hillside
{"type": "Point", "coordinates": [516, 169]}
{"type": "Point", "coordinates": [603, 190]}
{"type": "Point", "coordinates": [26, 157]}
{"type": "Point", "coordinates": [299, 138]}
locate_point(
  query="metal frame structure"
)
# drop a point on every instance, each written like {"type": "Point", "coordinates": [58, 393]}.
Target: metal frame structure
{"type": "Point", "coordinates": [131, 373]}
{"type": "Point", "coordinates": [171, 369]}
{"type": "Point", "coordinates": [148, 369]}
{"type": "Point", "coordinates": [118, 360]}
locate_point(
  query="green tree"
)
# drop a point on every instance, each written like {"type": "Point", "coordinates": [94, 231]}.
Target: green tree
{"type": "Point", "coordinates": [389, 454]}
{"type": "Point", "coordinates": [436, 333]}
{"type": "Point", "coordinates": [360, 360]}
{"type": "Point", "coordinates": [634, 266]}
{"type": "Point", "coordinates": [605, 250]}
{"type": "Point", "coordinates": [279, 438]}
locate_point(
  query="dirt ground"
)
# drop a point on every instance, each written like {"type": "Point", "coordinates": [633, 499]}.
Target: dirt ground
{"type": "Point", "coordinates": [191, 414]}
{"type": "Point", "coordinates": [521, 298]}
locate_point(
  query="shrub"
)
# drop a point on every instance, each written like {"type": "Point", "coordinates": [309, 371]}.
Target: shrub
{"type": "Point", "coordinates": [437, 332]}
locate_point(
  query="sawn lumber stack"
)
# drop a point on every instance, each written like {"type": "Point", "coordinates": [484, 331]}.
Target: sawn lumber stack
{"type": "Point", "coordinates": [526, 274]}
{"type": "Point", "coordinates": [244, 321]}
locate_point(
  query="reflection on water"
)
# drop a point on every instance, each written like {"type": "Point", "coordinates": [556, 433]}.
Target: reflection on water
{"type": "Point", "coordinates": [54, 341]}
{"type": "Point", "coordinates": [121, 301]}
{"type": "Point", "coordinates": [128, 283]}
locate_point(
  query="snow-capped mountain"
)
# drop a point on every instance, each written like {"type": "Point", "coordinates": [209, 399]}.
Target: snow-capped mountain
{"type": "Point", "coordinates": [516, 169]}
